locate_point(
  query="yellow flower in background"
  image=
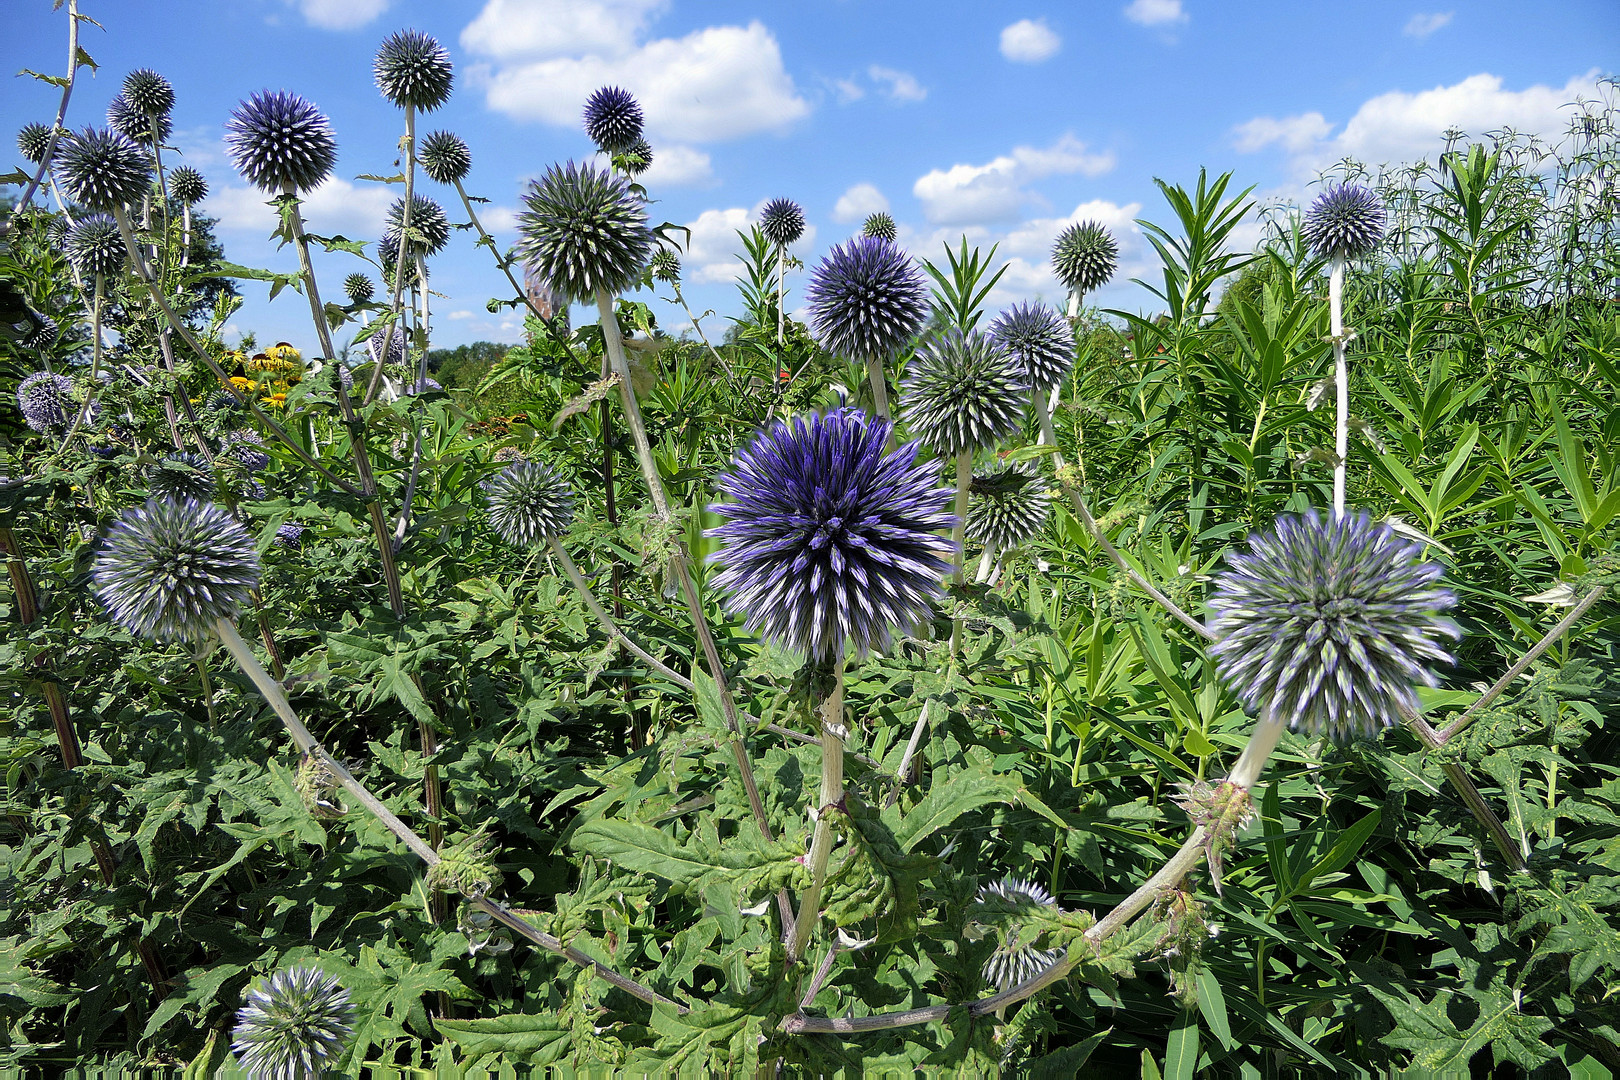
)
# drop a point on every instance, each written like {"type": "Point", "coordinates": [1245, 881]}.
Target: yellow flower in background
{"type": "Point", "coordinates": [243, 384]}
{"type": "Point", "coordinates": [275, 401]}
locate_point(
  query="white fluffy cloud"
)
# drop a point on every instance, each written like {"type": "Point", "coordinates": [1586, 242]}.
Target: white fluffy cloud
{"type": "Point", "coordinates": [711, 250]}
{"type": "Point", "coordinates": [340, 14]}
{"type": "Point", "coordinates": [1156, 12]}
{"type": "Point", "coordinates": [897, 86]}
{"type": "Point", "coordinates": [675, 165]}
{"type": "Point", "coordinates": [1422, 25]}
{"type": "Point", "coordinates": [526, 30]}
{"type": "Point", "coordinates": [997, 191]}
{"type": "Point", "coordinates": [336, 207]}
{"type": "Point", "coordinates": [1292, 133]}
{"type": "Point", "coordinates": [1029, 41]}
{"type": "Point", "coordinates": [858, 203]}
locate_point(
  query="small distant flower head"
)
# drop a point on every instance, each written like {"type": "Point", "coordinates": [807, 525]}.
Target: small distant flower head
{"type": "Point", "coordinates": [188, 186]}
{"type": "Point", "coordinates": [528, 502]}
{"type": "Point", "coordinates": [388, 256]}
{"type": "Point", "coordinates": [276, 138]}
{"type": "Point", "coordinates": [1015, 959]}
{"type": "Point", "coordinates": [148, 92]}
{"type": "Point", "coordinates": [1331, 624]}
{"type": "Point", "coordinates": [425, 385]}
{"type": "Point", "coordinates": [1345, 222]}
{"type": "Point", "coordinates": [102, 170]}
{"type": "Point", "coordinates": [45, 400]}
{"type": "Point", "coordinates": [290, 536]}
{"type": "Point", "coordinates": [169, 569]}
{"type": "Point", "coordinates": [43, 336]}
{"type": "Point", "coordinates": [584, 230]}
{"type": "Point", "coordinates": [445, 157]}
{"type": "Point", "coordinates": [413, 70]}
{"type": "Point", "coordinates": [638, 159]}
{"type": "Point", "coordinates": [294, 1026]}
{"type": "Point", "coordinates": [387, 347]}
{"type": "Point", "coordinates": [129, 121]}
{"type": "Point", "coordinates": [880, 225]}
{"type": "Point", "coordinates": [1085, 256]}
{"type": "Point", "coordinates": [219, 400]}
{"type": "Point", "coordinates": [782, 222]}
{"type": "Point", "coordinates": [247, 449]}
{"type": "Point", "coordinates": [359, 288]}
{"type": "Point", "coordinates": [1041, 339]}
{"type": "Point", "coordinates": [1006, 506]}
{"type": "Point", "coordinates": [33, 140]}
{"type": "Point", "coordinates": [867, 299]}
{"type": "Point", "coordinates": [963, 393]}
{"type": "Point", "coordinates": [182, 475]}
{"type": "Point", "coordinates": [829, 541]}
{"type": "Point", "coordinates": [429, 227]}
{"type": "Point", "coordinates": [95, 246]}
{"type": "Point", "coordinates": [613, 119]}
{"type": "Point", "coordinates": [666, 266]}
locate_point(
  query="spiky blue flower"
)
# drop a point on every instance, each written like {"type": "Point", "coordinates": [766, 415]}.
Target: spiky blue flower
{"type": "Point", "coordinates": [1330, 624]}
{"type": "Point", "coordinates": [44, 335]}
{"type": "Point", "coordinates": [387, 347]}
{"type": "Point", "coordinates": [425, 385]}
{"type": "Point", "coordinates": [1085, 256]}
{"type": "Point", "coordinates": [413, 70]}
{"type": "Point", "coordinates": [295, 1026]}
{"type": "Point", "coordinates": [584, 230]}
{"type": "Point", "coordinates": [867, 299]}
{"type": "Point", "coordinates": [528, 502]}
{"type": "Point", "coordinates": [33, 140]}
{"type": "Point", "coordinates": [290, 536]}
{"type": "Point", "coordinates": [880, 225]}
{"type": "Point", "coordinates": [1016, 959]}
{"type": "Point", "coordinates": [1345, 222]}
{"type": "Point", "coordinates": [148, 93]}
{"type": "Point", "coordinates": [278, 139]}
{"type": "Point", "coordinates": [102, 170]}
{"type": "Point", "coordinates": [613, 119]}
{"type": "Point", "coordinates": [246, 448]}
{"type": "Point", "coordinates": [666, 266]}
{"type": "Point", "coordinates": [782, 222]}
{"type": "Point", "coordinates": [1006, 506]}
{"type": "Point", "coordinates": [182, 475]}
{"type": "Point", "coordinates": [1041, 339]}
{"type": "Point", "coordinates": [445, 157]}
{"type": "Point", "coordinates": [359, 288]}
{"type": "Point", "coordinates": [95, 247]}
{"type": "Point", "coordinates": [45, 400]}
{"type": "Point", "coordinates": [169, 569]}
{"type": "Point", "coordinates": [129, 121]}
{"type": "Point", "coordinates": [963, 392]}
{"type": "Point", "coordinates": [388, 257]}
{"type": "Point", "coordinates": [829, 542]}
{"type": "Point", "coordinates": [429, 227]}
{"type": "Point", "coordinates": [636, 160]}
{"type": "Point", "coordinates": [188, 186]}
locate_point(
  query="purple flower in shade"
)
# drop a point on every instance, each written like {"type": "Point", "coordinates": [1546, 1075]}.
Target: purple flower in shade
{"type": "Point", "coordinates": [42, 336]}
{"type": "Point", "coordinates": [167, 570]}
{"type": "Point", "coordinates": [181, 476]}
{"type": "Point", "coordinates": [290, 536]}
{"type": "Point", "coordinates": [425, 385]}
{"type": "Point", "coordinates": [413, 70]}
{"type": "Point", "coordinates": [388, 258]}
{"type": "Point", "coordinates": [102, 170]}
{"type": "Point", "coordinates": [33, 140]}
{"type": "Point", "coordinates": [529, 501]}
{"type": "Point", "coordinates": [1345, 222]}
{"type": "Point", "coordinates": [95, 247]}
{"type": "Point", "coordinates": [148, 92]}
{"type": "Point", "coordinates": [867, 299]}
{"type": "Point", "coordinates": [293, 1026]}
{"type": "Point", "coordinates": [584, 230]}
{"type": "Point", "coordinates": [829, 542]}
{"type": "Point", "coordinates": [45, 400]}
{"type": "Point", "coordinates": [782, 222]}
{"type": "Point", "coordinates": [246, 448]}
{"type": "Point", "coordinates": [1042, 340]}
{"type": "Point", "coordinates": [445, 157]}
{"type": "Point", "coordinates": [429, 227]}
{"type": "Point", "coordinates": [613, 119]}
{"type": "Point", "coordinates": [387, 347]}
{"type": "Point", "coordinates": [1085, 256]}
{"type": "Point", "coordinates": [963, 393]}
{"type": "Point", "coordinates": [880, 225]}
{"type": "Point", "coordinates": [278, 139]}
{"type": "Point", "coordinates": [188, 186]}
{"type": "Point", "coordinates": [1331, 624]}
{"type": "Point", "coordinates": [1006, 506]}
{"type": "Point", "coordinates": [125, 119]}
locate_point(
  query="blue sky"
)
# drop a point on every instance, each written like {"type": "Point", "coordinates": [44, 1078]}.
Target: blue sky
{"type": "Point", "coordinates": [1001, 122]}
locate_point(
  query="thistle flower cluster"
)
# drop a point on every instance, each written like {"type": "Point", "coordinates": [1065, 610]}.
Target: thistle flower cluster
{"type": "Point", "coordinates": [1041, 339]}
{"type": "Point", "coordinates": [359, 288]}
{"type": "Point", "coordinates": [666, 266]}
{"type": "Point", "coordinates": [429, 228]}
{"type": "Point", "coordinates": [129, 121]}
{"type": "Point", "coordinates": [46, 402]}
{"type": "Point", "coordinates": [528, 502]}
{"type": "Point", "coordinates": [1015, 958]}
{"type": "Point", "coordinates": [413, 71]}
{"type": "Point", "coordinates": [95, 247]}
{"type": "Point", "coordinates": [188, 186]}
{"type": "Point", "coordinates": [963, 393]}
{"type": "Point", "coordinates": [388, 256]}
{"type": "Point", "coordinates": [246, 448]}
{"type": "Point", "coordinates": [444, 157]}
{"type": "Point", "coordinates": [880, 225]}
{"type": "Point", "coordinates": [782, 222]}
{"type": "Point", "coordinates": [1006, 507]}
{"type": "Point", "coordinates": [1330, 624]}
{"type": "Point", "coordinates": [33, 140]}
{"type": "Point", "coordinates": [278, 140]}
{"type": "Point", "coordinates": [295, 1025]}
{"type": "Point", "coordinates": [169, 569]}
{"type": "Point", "coordinates": [829, 542]}
{"type": "Point", "coordinates": [867, 299]}
{"type": "Point", "coordinates": [102, 170]}
{"type": "Point", "coordinates": [148, 93]}
{"type": "Point", "coordinates": [182, 475]}
{"type": "Point", "coordinates": [388, 347]}
{"type": "Point", "coordinates": [43, 336]}
{"type": "Point", "coordinates": [1345, 222]}
{"type": "Point", "coordinates": [636, 160]}
{"type": "Point", "coordinates": [613, 119]}
{"type": "Point", "coordinates": [584, 231]}
{"type": "Point", "coordinates": [1085, 256]}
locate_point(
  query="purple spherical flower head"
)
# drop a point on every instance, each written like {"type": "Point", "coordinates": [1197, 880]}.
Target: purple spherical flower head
{"type": "Point", "coordinates": [1345, 222]}
{"type": "Point", "coordinates": [278, 139]}
{"type": "Point", "coordinates": [782, 222]}
{"type": "Point", "coordinates": [33, 140]}
{"type": "Point", "coordinates": [445, 157]}
{"type": "Point", "coordinates": [290, 536]}
{"type": "Point", "coordinates": [429, 226]}
{"type": "Point", "coordinates": [528, 502]}
{"type": "Point", "coordinates": [867, 299]}
{"type": "Point", "coordinates": [246, 448]}
{"type": "Point", "coordinates": [413, 70]}
{"type": "Point", "coordinates": [102, 170]}
{"type": "Point", "coordinates": [95, 247]}
{"type": "Point", "coordinates": [148, 92]}
{"type": "Point", "coordinates": [1085, 256]}
{"type": "Point", "coordinates": [294, 1025]}
{"type": "Point", "coordinates": [830, 542]}
{"type": "Point", "coordinates": [188, 186]}
{"type": "Point", "coordinates": [1330, 624]}
{"type": "Point", "coordinates": [613, 119]}
{"type": "Point", "coordinates": [44, 335]}
{"type": "Point", "coordinates": [45, 401]}
{"type": "Point", "coordinates": [584, 231]}
{"type": "Point", "coordinates": [181, 476]}
{"type": "Point", "coordinates": [1041, 339]}
{"type": "Point", "coordinates": [881, 225]}
{"type": "Point", "coordinates": [963, 393]}
{"type": "Point", "coordinates": [127, 120]}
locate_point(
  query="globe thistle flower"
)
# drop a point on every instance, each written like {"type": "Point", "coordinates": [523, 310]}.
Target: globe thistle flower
{"type": "Point", "coordinates": [277, 139]}
{"type": "Point", "coordinates": [290, 536]}
{"type": "Point", "coordinates": [613, 119]}
{"type": "Point", "coordinates": [444, 157]}
{"type": "Point", "coordinates": [964, 393]}
{"type": "Point", "coordinates": [359, 288]}
{"type": "Point", "coordinates": [148, 92]}
{"type": "Point", "coordinates": [33, 140]}
{"type": "Point", "coordinates": [528, 502]}
{"type": "Point", "coordinates": [1085, 256]}
{"type": "Point", "coordinates": [782, 222]}
{"type": "Point", "coordinates": [95, 247]}
{"type": "Point", "coordinates": [129, 121]}
{"type": "Point", "coordinates": [102, 170]}
{"type": "Point", "coordinates": [638, 159]}
{"type": "Point", "coordinates": [584, 231]}
{"type": "Point", "coordinates": [1006, 507]}
{"type": "Point", "coordinates": [46, 402]}
{"type": "Point", "coordinates": [293, 1026]}
{"type": "Point", "coordinates": [829, 542]}
{"type": "Point", "coordinates": [1330, 624]}
{"type": "Point", "coordinates": [181, 476]}
{"type": "Point", "coordinates": [219, 400]}
{"type": "Point", "coordinates": [188, 186]}
{"type": "Point", "coordinates": [42, 336]}
{"type": "Point", "coordinates": [867, 299]}
{"type": "Point", "coordinates": [388, 257]}
{"type": "Point", "coordinates": [1015, 958]}
{"type": "Point", "coordinates": [169, 569]}
{"type": "Point", "coordinates": [1345, 222]}
{"type": "Point", "coordinates": [246, 448]}
{"type": "Point", "coordinates": [387, 347]}
{"type": "Point", "coordinates": [429, 227]}
{"type": "Point", "coordinates": [1041, 339]}
{"type": "Point", "coordinates": [413, 71]}
{"type": "Point", "coordinates": [425, 385]}
{"type": "Point", "coordinates": [880, 225]}
{"type": "Point", "coordinates": [251, 490]}
{"type": "Point", "coordinates": [666, 266]}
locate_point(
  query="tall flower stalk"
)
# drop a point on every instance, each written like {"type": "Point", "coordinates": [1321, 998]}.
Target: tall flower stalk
{"type": "Point", "coordinates": [782, 222]}
{"type": "Point", "coordinates": [867, 301]}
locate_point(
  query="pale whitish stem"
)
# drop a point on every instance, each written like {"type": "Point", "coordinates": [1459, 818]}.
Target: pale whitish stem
{"type": "Point", "coordinates": [987, 563]}
{"type": "Point", "coordinates": [185, 235]}
{"type": "Point", "coordinates": [833, 732]}
{"type": "Point", "coordinates": [900, 774]}
{"type": "Point", "coordinates": [781, 290]}
{"type": "Point", "coordinates": [585, 594]}
{"type": "Point", "coordinates": [145, 274]}
{"type": "Point", "coordinates": [1341, 383]}
{"type": "Point", "coordinates": [697, 326]}
{"type": "Point", "coordinates": [1074, 304]}
{"type": "Point", "coordinates": [964, 481]}
{"type": "Point", "coordinates": [1043, 416]}
{"type": "Point", "coordinates": [880, 388]}
{"type": "Point", "coordinates": [421, 425]}
{"type": "Point", "coordinates": [61, 115]}
{"type": "Point", "coordinates": [395, 304]}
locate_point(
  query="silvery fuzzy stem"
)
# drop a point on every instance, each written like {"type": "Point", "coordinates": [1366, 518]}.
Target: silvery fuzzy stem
{"type": "Point", "coordinates": [704, 337]}
{"type": "Point", "coordinates": [1470, 795]}
{"type": "Point", "coordinates": [1043, 415]}
{"type": "Point", "coordinates": [395, 304]}
{"type": "Point", "coordinates": [833, 731]}
{"type": "Point", "coordinates": [880, 388]}
{"type": "Point", "coordinates": [142, 271]}
{"type": "Point", "coordinates": [95, 328]}
{"type": "Point", "coordinates": [613, 345]}
{"type": "Point", "coordinates": [917, 730]}
{"type": "Point", "coordinates": [585, 594]}
{"type": "Point", "coordinates": [485, 239]}
{"type": "Point", "coordinates": [1341, 382]}
{"type": "Point", "coordinates": [1074, 304]}
{"type": "Point", "coordinates": [421, 382]}
{"type": "Point", "coordinates": [1257, 752]}
{"type": "Point", "coordinates": [185, 235]}
{"type": "Point", "coordinates": [964, 480]}
{"type": "Point", "coordinates": [987, 562]}
{"type": "Point", "coordinates": [781, 288]}
{"type": "Point", "coordinates": [61, 116]}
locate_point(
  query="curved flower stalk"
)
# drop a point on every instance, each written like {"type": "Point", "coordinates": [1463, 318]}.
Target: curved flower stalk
{"type": "Point", "coordinates": [867, 301]}
{"type": "Point", "coordinates": [189, 187]}
{"type": "Point", "coordinates": [666, 267]}
{"type": "Point", "coordinates": [782, 222]}
{"type": "Point", "coordinates": [56, 131]}
{"type": "Point", "coordinates": [1043, 341]}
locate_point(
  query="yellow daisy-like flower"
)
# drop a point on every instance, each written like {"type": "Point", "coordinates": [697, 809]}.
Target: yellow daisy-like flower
{"type": "Point", "coordinates": [243, 384]}
{"type": "Point", "coordinates": [276, 401]}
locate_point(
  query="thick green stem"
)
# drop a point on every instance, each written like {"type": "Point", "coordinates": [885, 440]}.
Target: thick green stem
{"type": "Point", "coordinates": [964, 482]}
{"type": "Point", "coordinates": [1341, 383]}
{"type": "Point", "coordinates": [833, 733]}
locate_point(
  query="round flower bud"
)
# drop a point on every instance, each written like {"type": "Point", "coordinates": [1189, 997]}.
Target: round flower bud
{"type": "Point", "coordinates": [188, 186]}
{"type": "Point", "coordinates": [666, 266]}
{"type": "Point", "coordinates": [867, 299]}
{"type": "Point", "coordinates": [613, 119]}
{"type": "Point", "coordinates": [638, 159]}
{"type": "Point", "coordinates": [828, 541]}
{"type": "Point", "coordinates": [528, 502]}
{"type": "Point", "coordinates": [963, 393]}
{"type": "Point", "coordinates": [182, 475]}
{"type": "Point", "coordinates": [445, 157]}
{"type": "Point", "coordinates": [1085, 256]}
{"type": "Point", "coordinates": [290, 536]}
{"type": "Point", "coordinates": [413, 71]}
{"type": "Point", "coordinates": [1016, 959]}
{"type": "Point", "coordinates": [782, 222]}
{"type": "Point", "coordinates": [295, 1025]}
{"type": "Point", "coordinates": [429, 227]}
{"type": "Point", "coordinates": [880, 225]}
{"type": "Point", "coordinates": [388, 256]}
{"type": "Point", "coordinates": [169, 569]}
{"type": "Point", "coordinates": [584, 230]}
{"type": "Point", "coordinates": [1006, 506]}
{"type": "Point", "coordinates": [45, 400]}
{"type": "Point", "coordinates": [148, 92]}
{"type": "Point", "coordinates": [102, 170]}
{"type": "Point", "coordinates": [277, 139]}
{"type": "Point", "coordinates": [43, 336]}
{"type": "Point", "coordinates": [33, 140]}
{"type": "Point", "coordinates": [1330, 624]}
{"type": "Point", "coordinates": [359, 288]}
{"type": "Point", "coordinates": [125, 119]}
{"type": "Point", "coordinates": [1041, 339]}
{"type": "Point", "coordinates": [246, 448]}
{"type": "Point", "coordinates": [95, 247]}
{"type": "Point", "coordinates": [1345, 222]}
